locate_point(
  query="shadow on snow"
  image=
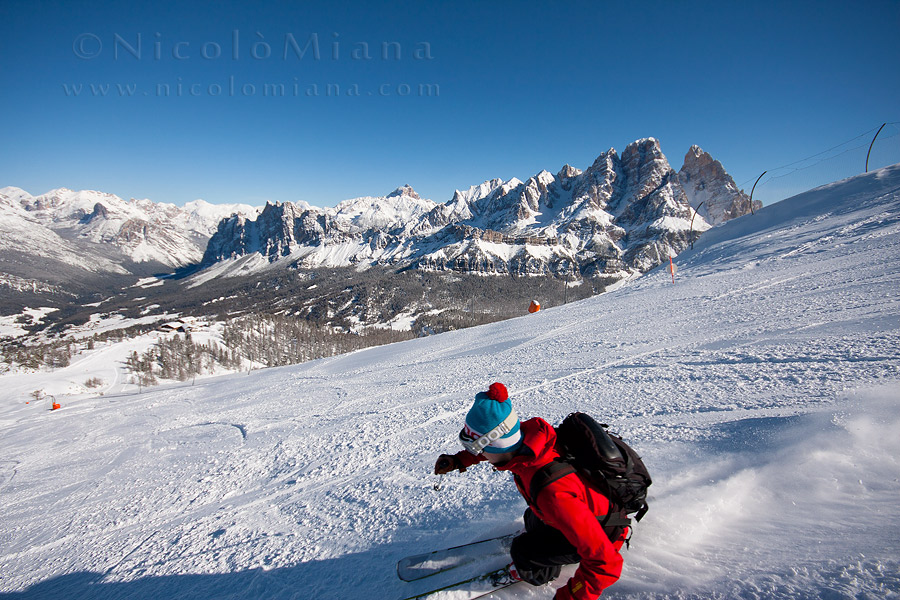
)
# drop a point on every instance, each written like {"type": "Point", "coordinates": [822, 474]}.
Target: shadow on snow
{"type": "Point", "coordinates": [369, 574]}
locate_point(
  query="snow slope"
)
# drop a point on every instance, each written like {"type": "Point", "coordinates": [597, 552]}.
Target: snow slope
{"type": "Point", "coordinates": [761, 390]}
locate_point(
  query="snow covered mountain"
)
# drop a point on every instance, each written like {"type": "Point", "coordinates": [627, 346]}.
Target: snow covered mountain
{"type": "Point", "coordinates": [25, 232]}
{"type": "Point", "coordinates": [140, 230]}
{"type": "Point", "coordinates": [70, 241]}
{"type": "Point", "coordinates": [761, 390]}
{"type": "Point", "coordinates": [620, 216]}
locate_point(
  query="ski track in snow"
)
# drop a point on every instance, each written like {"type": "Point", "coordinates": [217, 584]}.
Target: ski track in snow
{"type": "Point", "coordinates": [761, 390]}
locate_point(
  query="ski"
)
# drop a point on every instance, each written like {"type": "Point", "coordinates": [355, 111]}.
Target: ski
{"type": "Point", "coordinates": [420, 566]}
{"type": "Point", "coordinates": [473, 588]}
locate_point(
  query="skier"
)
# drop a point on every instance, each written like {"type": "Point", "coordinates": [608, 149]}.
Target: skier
{"type": "Point", "coordinates": [562, 527]}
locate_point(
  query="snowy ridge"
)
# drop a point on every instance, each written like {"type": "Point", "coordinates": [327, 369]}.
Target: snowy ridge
{"type": "Point", "coordinates": [357, 230]}
{"type": "Point", "coordinates": [760, 389]}
{"type": "Point", "coordinates": [401, 207]}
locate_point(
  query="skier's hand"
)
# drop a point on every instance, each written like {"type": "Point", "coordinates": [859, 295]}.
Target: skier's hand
{"type": "Point", "coordinates": [446, 463]}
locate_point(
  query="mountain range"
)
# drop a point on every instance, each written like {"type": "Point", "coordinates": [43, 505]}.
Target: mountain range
{"type": "Point", "coordinates": [624, 214]}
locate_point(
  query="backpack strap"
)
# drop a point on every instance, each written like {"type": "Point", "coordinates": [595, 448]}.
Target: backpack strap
{"type": "Point", "coordinates": [546, 475]}
{"type": "Point", "coordinates": [612, 522]}
{"type": "Point", "coordinates": [615, 519]}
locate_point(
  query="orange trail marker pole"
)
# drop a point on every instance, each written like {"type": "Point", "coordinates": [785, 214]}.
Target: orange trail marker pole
{"type": "Point", "coordinates": [672, 269]}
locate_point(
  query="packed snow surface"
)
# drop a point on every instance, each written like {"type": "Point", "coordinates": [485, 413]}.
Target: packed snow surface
{"type": "Point", "coordinates": [761, 389]}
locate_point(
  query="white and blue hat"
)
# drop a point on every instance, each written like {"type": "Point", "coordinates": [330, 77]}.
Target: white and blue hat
{"type": "Point", "coordinates": [491, 424]}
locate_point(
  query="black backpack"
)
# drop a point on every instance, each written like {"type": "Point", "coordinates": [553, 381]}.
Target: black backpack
{"type": "Point", "coordinates": [604, 459]}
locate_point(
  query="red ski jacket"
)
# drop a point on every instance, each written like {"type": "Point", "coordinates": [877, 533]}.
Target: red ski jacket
{"type": "Point", "coordinates": [570, 505]}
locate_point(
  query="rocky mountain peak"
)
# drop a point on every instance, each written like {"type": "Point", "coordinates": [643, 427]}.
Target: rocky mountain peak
{"type": "Point", "coordinates": [697, 161]}
{"type": "Point", "coordinates": [644, 158]}
{"type": "Point", "coordinates": [695, 153]}
{"type": "Point", "coordinates": [646, 178]}
{"type": "Point", "coordinates": [711, 190]}
{"type": "Point", "coordinates": [568, 172]}
{"type": "Point", "coordinates": [404, 190]}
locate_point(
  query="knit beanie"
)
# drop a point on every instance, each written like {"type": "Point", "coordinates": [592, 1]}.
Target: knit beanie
{"type": "Point", "coordinates": [491, 408]}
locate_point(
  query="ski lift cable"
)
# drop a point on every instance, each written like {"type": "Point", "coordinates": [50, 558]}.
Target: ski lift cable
{"type": "Point", "coordinates": [853, 139]}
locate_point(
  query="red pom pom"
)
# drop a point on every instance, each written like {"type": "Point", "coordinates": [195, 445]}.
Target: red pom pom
{"type": "Point", "coordinates": [498, 392]}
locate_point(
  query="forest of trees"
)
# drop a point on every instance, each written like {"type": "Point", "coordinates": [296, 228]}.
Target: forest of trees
{"type": "Point", "coordinates": [54, 354]}
{"type": "Point", "coordinates": [58, 353]}
{"type": "Point", "coordinates": [248, 342]}
{"type": "Point", "coordinates": [300, 316]}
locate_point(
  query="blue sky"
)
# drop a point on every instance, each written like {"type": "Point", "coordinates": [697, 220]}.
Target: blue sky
{"type": "Point", "coordinates": [508, 89]}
